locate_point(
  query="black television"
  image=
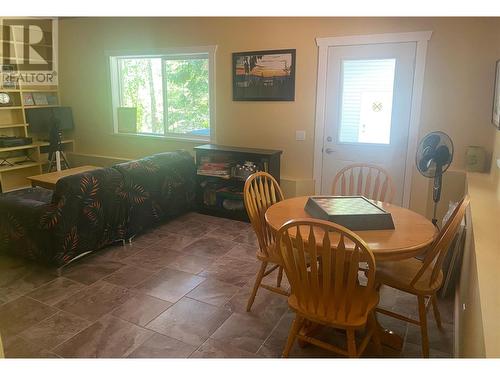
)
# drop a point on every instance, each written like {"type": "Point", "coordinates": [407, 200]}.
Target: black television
{"type": "Point", "coordinates": [41, 120]}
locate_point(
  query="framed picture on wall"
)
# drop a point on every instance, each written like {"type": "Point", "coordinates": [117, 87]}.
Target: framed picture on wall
{"type": "Point", "coordinates": [496, 98]}
{"type": "Point", "coordinates": [264, 75]}
{"type": "Point", "coordinates": [7, 73]}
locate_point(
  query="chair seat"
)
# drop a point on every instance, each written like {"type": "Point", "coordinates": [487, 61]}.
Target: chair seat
{"type": "Point", "coordinates": [273, 255]}
{"type": "Point", "coordinates": [399, 275]}
{"type": "Point", "coordinates": [355, 319]}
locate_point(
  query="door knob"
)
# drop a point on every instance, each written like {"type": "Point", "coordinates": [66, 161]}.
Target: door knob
{"type": "Point", "coordinates": [329, 150]}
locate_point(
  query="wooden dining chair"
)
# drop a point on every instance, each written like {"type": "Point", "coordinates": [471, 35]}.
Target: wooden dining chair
{"type": "Point", "coordinates": [328, 291]}
{"type": "Point", "coordinates": [422, 278]}
{"type": "Point", "coordinates": [368, 180]}
{"type": "Point", "coordinates": [261, 191]}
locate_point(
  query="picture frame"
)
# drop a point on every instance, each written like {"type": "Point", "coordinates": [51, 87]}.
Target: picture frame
{"type": "Point", "coordinates": [496, 98]}
{"type": "Point", "coordinates": [7, 73]}
{"type": "Point", "coordinates": [264, 75]}
{"type": "Point", "coordinates": [28, 99]}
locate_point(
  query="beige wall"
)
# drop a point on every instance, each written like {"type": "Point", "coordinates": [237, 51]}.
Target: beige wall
{"type": "Point", "coordinates": [469, 321]}
{"type": "Point", "coordinates": [478, 324]}
{"type": "Point", "coordinates": [457, 93]}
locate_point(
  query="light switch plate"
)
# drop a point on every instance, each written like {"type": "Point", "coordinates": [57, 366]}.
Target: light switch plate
{"type": "Point", "coordinates": [300, 135]}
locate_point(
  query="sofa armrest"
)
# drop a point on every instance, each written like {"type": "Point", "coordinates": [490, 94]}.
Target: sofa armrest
{"type": "Point", "coordinates": [21, 232]}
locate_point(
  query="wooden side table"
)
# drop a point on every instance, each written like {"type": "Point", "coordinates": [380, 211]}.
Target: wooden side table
{"type": "Point", "coordinates": [49, 180]}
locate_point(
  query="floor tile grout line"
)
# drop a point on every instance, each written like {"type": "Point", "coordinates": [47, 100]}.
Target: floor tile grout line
{"type": "Point", "coordinates": [125, 265]}
{"type": "Point", "coordinates": [95, 281]}
{"type": "Point", "coordinates": [173, 338]}
{"type": "Point", "coordinates": [198, 348]}
{"type": "Point", "coordinates": [209, 337]}
{"type": "Point", "coordinates": [211, 304]}
{"type": "Point", "coordinates": [102, 280]}
{"type": "Point", "coordinates": [149, 321]}
{"type": "Point", "coordinates": [183, 254]}
{"type": "Point", "coordinates": [92, 323]}
{"type": "Point", "coordinates": [69, 338]}
{"type": "Point", "coordinates": [132, 292]}
{"type": "Point", "coordinates": [272, 331]}
{"type": "Point", "coordinates": [57, 312]}
{"type": "Point", "coordinates": [71, 295]}
{"type": "Point", "coordinates": [31, 290]}
{"type": "Point", "coordinates": [54, 307]}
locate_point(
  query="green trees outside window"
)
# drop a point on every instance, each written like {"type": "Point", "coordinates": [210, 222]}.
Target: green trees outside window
{"type": "Point", "coordinates": [170, 95]}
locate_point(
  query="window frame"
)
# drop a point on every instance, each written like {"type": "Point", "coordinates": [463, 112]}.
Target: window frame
{"type": "Point", "coordinates": [164, 55]}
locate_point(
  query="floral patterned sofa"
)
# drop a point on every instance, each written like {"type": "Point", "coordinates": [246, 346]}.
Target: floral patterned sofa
{"type": "Point", "coordinates": [91, 210]}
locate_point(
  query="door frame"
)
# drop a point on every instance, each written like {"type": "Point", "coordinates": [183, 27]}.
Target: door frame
{"type": "Point", "coordinates": [421, 38]}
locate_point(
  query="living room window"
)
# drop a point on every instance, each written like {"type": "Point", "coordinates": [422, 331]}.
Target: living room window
{"type": "Point", "coordinates": [169, 94]}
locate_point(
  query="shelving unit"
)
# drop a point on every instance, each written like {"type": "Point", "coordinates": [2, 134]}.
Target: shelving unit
{"type": "Point", "coordinates": [222, 195]}
{"type": "Point", "coordinates": [22, 161]}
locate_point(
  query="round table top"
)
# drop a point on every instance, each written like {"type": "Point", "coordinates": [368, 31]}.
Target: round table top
{"type": "Point", "coordinates": [412, 233]}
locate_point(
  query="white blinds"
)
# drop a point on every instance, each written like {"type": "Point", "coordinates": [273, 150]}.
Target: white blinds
{"type": "Point", "coordinates": [367, 92]}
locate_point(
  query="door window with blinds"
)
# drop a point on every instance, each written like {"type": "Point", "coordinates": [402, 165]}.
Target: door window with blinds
{"type": "Point", "coordinates": [366, 101]}
{"type": "Point", "coordinates": [168, 95]}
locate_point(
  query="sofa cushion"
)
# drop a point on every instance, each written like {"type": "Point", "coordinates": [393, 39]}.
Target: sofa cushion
{"type": "Point", "coordinates": [37, 195]}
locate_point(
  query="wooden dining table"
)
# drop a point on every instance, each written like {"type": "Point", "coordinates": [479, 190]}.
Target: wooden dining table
{"type": "Point", "coordinates": [411, 236]}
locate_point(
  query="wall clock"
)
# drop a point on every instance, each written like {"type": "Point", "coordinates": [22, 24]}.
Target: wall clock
{"type": "Point", "coordinates": [5, 99]}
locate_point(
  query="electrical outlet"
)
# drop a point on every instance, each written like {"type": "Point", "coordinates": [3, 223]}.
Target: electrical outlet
{"type": "Point", "coordinates": [300, 135]}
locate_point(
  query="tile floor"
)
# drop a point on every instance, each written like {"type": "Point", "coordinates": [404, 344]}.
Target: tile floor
{"type": "Point", "coordinates": [179, 290]}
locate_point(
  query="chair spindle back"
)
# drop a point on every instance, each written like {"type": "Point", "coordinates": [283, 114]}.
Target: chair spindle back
{"type": "Point", "coordinates": [368, 180]}
{"type": "Point", "coordinates": [435, 256]}
{"type": "Point", "coordinates": [261, 191]}
{"type": "Point", "coordinates": [323, 287]}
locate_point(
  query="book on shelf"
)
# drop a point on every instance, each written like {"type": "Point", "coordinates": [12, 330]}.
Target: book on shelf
{"type": "Point", "coordinates": [222, 170]}
{"type": "Point", "coordinates": [28, 98]}
{"type": "Point", "coordinates": [40, 98]}
{"type": "Point", "coordinates": [52, 99]}
{"type": "Point", "coordinates": [214, 174]}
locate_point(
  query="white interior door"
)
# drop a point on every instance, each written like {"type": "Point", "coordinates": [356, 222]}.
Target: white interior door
{"type": "Point", "coordinates": [367, 113]}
